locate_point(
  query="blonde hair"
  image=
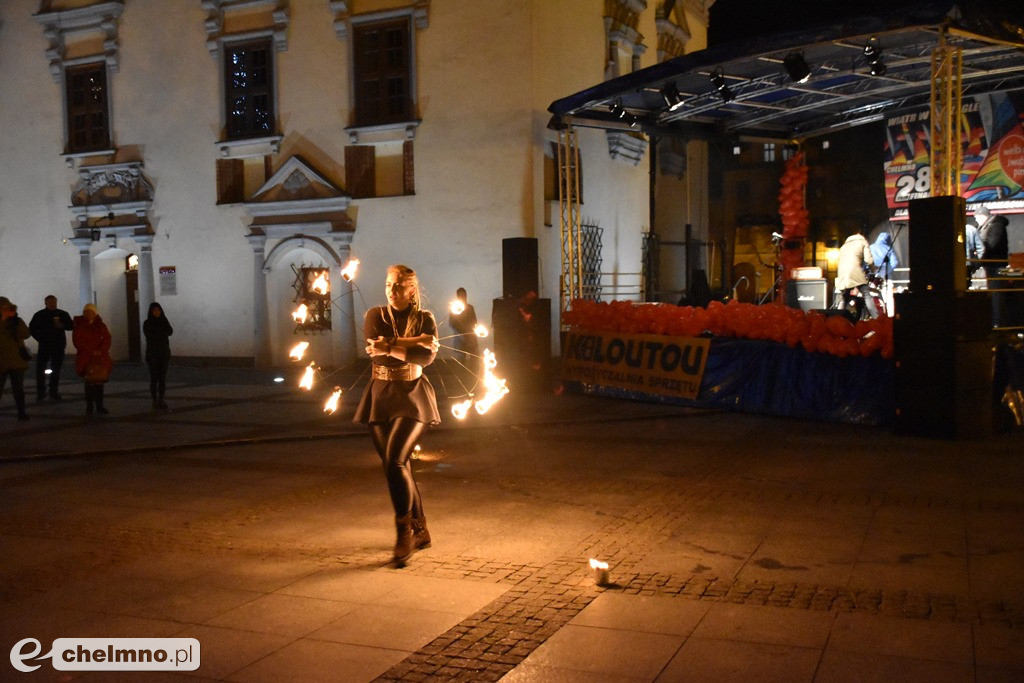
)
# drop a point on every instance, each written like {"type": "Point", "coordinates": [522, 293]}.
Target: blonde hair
{"type": "Point", "coordinates": [414, 324]}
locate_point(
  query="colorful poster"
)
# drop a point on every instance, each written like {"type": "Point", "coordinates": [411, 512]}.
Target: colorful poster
{"type": "Point", "coordinates": [993, 154]}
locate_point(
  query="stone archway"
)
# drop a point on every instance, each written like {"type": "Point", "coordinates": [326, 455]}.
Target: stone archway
{"type": "Point", "coordinates": [271, 347]}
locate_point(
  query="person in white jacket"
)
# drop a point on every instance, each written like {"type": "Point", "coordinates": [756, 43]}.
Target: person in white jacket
{"type": "Point", "coordinates": [855, 262]}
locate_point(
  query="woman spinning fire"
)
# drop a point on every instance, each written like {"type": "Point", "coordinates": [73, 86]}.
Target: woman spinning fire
{"type": "Point", "coordinates": [399, 402]}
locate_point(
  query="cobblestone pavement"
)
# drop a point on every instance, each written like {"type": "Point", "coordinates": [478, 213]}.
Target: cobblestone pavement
{"type": "Point", "coordinates": [699, 507]}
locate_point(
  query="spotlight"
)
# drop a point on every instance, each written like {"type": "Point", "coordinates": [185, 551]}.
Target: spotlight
{"type": "Point", "coordinates": [796, 67]}
{"type": "Point", "coordinates": [873, 56]}
{"type": "Point", "coordinates": [673, 100]}
{"type": "Point", "coordinates": [718, 81]}
{"type": "Point", "coordinates": [617, 110]}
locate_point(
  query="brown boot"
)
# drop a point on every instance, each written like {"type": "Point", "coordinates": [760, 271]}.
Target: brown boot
{"type": "Point", "coordinates": [404, 542]}
{"type": "Point", "coordinates": [421, 536]}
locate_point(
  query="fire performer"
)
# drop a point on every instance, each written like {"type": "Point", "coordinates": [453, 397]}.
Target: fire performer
{"type": "Point", "coordinates": [399, 402]}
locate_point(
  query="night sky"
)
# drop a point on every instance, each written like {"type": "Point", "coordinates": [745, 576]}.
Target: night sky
{"type": "Point", "coordinates": [733, 20]}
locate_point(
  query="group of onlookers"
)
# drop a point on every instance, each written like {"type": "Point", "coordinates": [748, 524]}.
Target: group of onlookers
{"type": "Point", "coordinates": [93, 363]}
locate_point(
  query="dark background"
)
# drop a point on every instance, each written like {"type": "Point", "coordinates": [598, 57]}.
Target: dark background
{"type": "Point", "coordinates": [732, 20]}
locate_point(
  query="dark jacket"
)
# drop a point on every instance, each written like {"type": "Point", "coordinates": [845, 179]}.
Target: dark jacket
{"type": "Point", "coordinates": [13, 333]}
{"type": "Point", "coordinates": [157, 330]}
{"type": "Point", "coordinates": [993, 237]}
{"type": "Point", "coordinates": [384, 400]}
{"type": "Point", "coordinates": [50, 328]}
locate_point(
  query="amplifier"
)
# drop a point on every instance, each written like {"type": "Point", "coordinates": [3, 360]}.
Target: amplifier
{"type": "Point", "coordinates": [807, 295]}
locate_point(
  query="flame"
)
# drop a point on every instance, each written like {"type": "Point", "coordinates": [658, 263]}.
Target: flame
{"type": "Point", "coordinates": [461, 409]}
{"type": "Point", "coordinates": [494, 386]}
{"type": "Point", "coordinates": [456, 307]}
{"type": "Point", "coordinates": [480, 331]}
{"type": "Point", "coordinates": [320, 285]}
{"type": "Point", "coordinates": [300, 314]}
{"type": "Point", "coordinates": [298, 350]}
{"type": "Point", "coordinates": [598, 564]}
{"type": "Point", "coordinates": [348, 273]}
{"type": "Point", "coordinates": [307, 378]}
{"type": "Point", "coordinates": [332, 401]}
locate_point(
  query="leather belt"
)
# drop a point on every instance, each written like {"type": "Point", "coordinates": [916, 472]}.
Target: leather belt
{"type": "Point", "coordinates": [404, 372]}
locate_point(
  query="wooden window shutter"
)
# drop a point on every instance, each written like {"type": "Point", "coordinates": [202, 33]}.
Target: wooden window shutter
{"type": "Point", "coordinates": [408, 176]}
{"type": "Point", "coordinates": [230, 181]}
{"type": "Point", "coordinates": [360, 171]}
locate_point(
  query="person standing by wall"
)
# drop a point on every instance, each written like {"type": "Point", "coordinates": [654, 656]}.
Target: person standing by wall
{"type": "Point", "coordinates": [93, 363]}
{"type": "Point", "coordinates": [399, 402]}
{"type": "Point", "coordinates": [992, 231]}
{"type": "Point", "coordinates": [157, 330]}
{"type": "Point", "coordinates": [49, 327]}
{"type": "Point", "coordinates": [13, 356]}
{"type": "Point", "coordinates": [974, 249]}
{"type": "Point", "coordinates": [466, 343]}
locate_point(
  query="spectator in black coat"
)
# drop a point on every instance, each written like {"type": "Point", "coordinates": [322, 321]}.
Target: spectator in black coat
{"type": "Point", "coordinates": [49, 327]}
{"type": "Point", "coordinates": [157, 330]}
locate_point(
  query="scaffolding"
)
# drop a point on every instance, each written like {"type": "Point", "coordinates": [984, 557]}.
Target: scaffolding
{"type": "Point", "coordinates": [946, 120]}
{"type": "Point", "coordinates": [569, 212]}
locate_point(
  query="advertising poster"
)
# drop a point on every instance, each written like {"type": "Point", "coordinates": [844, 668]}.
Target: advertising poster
{"type": "Point", "coordinates": [654, 364]}
{"type": "Point", "coordinates": [993, 154]}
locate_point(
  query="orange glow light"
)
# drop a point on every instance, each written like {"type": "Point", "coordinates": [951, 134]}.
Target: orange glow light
{"type": "Point", "coordinates": [332, 401]}
{"type": "Point", "coordinates": [298, 350]}
{"type": "Point", "coordinates": [307, 378]}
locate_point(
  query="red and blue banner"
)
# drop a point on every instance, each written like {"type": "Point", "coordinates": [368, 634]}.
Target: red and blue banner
{"type": "Point", "coordinates": [993, 154]}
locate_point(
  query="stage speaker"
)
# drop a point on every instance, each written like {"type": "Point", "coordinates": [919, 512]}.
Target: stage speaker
{"type": "Point", "coordinates": [943, 356]}
{"type": "Point", "coordinates": [937, 255]}
{"type": "Point", "coordinates": [519, 267]}
{"type": "Point", "coordinates": [807, 295]}
{"type": "Point", "coordinates": [522, 341]}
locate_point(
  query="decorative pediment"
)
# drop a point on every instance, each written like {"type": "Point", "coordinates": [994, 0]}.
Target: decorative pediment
{"type": "Point", "coordinates": [299, 199]}
{"type": "Point", "coordinates": [96, 23]}
{"type": "Point", "coordinates": [297, 181]}
{"type": "Point", "coordinates": [112, 185]}
{"type": "Point", "coordinates": [625, 146]}
{"type": "Point", "coordinates": [240, 19]}
{"type": "Point", "coordinates": [418, 10]}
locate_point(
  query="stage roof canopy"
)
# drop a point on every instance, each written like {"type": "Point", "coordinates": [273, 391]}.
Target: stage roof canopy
{"type": "Point", "coordinates": [840, 92]}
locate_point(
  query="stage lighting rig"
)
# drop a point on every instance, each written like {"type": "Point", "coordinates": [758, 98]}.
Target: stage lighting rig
{"type": "Point", "coordinates": [721, 87]}
{"type": "Point", "coordinates": [673, 100]}
{"type": "Point", "coordinates": [873, 56]}
{"type": "Point", "coordinates": [797, 67]}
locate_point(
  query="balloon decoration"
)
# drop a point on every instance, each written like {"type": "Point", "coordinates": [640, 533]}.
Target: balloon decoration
{"type": "Point", "coordinates": [811, 330]}
{"type": "Point", "coordinates": [795, 218]}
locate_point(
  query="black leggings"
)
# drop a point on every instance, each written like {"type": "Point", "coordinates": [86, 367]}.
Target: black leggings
{"type": "Point", "coordinates": [157, 376]}
{"type": "Point", "coordinates": [394, 442]}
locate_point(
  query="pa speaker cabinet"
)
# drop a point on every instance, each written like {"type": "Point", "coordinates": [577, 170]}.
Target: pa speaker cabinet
{"type": "Point", "coordinates": [937, 255]}
{"type": "Point", "coordinates": [519, 265]}
{"type": "Point", "coordinates": [807, 295]}
{"type": "Point", "coordinates": [522, 341]}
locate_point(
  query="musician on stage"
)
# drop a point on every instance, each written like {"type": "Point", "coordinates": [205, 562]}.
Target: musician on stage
{"type": "Point", "coordinates": [855, 262]}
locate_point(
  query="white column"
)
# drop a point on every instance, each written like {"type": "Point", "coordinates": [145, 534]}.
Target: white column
{"type": "Point", "coordinates": [147, 290]}
{"type": "Point", "coordinates": [261, 342]}
{"type": "Point", "coordinates": [84, 270]}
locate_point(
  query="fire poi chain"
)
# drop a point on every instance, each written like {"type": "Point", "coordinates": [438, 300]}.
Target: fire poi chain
{"type": "Point", "coordinates": [494, 386]}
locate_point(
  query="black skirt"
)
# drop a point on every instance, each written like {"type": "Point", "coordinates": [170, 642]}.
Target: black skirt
{"type": "Point", "coordinates": [383, 400]}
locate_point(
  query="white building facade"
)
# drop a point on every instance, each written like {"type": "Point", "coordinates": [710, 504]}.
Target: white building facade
{"type": "Point", "coordinates": [218, 156]}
